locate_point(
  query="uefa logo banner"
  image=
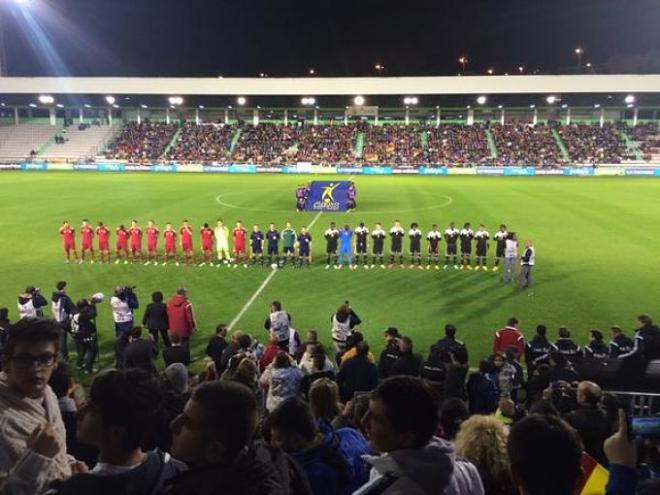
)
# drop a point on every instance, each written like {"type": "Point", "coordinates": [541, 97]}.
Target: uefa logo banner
{"type": "Point", "coordinates": [327, 196]}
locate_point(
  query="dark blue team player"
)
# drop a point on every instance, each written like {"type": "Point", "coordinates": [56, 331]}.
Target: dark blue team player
{"type": "Point", "coordinates": [257, 245]}
{"type": "Point", "coordinates": [273, 240]}
{"type": "Point", "coordinates": [304, 247]}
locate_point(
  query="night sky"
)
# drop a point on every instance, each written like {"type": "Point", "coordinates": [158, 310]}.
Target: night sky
{"type": "Point", "coordinates": [335, 37]}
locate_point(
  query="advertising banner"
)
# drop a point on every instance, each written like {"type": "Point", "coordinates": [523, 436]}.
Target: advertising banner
{"type": "Point", "coordinates": [34, 166]}
{"type": "Point", "coordinates": [327, 196]}
{"type": "Point", "coordinates": [377, 170]}
{"type": "Point", "coordinates": [433, 171]}
{"type": "Point", "coordinates": [235, 168]}
{"type": "Point", "coordinates": [350, 170]}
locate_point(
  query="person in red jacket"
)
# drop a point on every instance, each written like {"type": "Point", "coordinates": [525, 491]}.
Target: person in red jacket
{"type": "Point", "coordinates": [508, 337]}
{"type": "Point", "coordinates": [180, 316]}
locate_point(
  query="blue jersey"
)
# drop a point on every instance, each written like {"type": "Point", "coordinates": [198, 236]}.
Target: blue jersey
{"type": "Point", "coordinates": [303, 242]}
{"type": "Point", "coordinates": [346, 237]}
{"type": "Point", "coordinates": [257, 238]}
{"type": "Point", "coordinates": [273, 237]}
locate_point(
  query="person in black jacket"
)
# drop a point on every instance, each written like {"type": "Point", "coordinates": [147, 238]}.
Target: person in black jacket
{"type": "Point", "coordinates": [647, 340]}
{"type": "Point", "coordinates": [450, 343]}
{"type": "Point", "coordinates": [566, 346]}
{"type": "Point", "coordinates": [155, 318]}
{"type": "Point", "coordinates": [596, 348]}
{"type": "Point", "coordinates": [538, 349]}
{"type": "Point", "coordinates": [357, 374]}
{"type": "Point", "coordinates": [408, 364]}
{"type": "Point", "coordinates": [216, 346]}
{"type": "Point", "coordinates": [62, 308]}
{"type": "Point", "coordinates": [140, 353]}
{"type": "Point", "coordinates": [390, 353]}
{"type": "Point", "coordinates": [620, 343]}
{"type": "Point", "coordinates": [4, 326]}
{"type": "Point", "coordinates": [482, 392]}
{"type": "Point", "coordinates": [176, 353]}
{"type": "Point", "coordinates": [83, 329]}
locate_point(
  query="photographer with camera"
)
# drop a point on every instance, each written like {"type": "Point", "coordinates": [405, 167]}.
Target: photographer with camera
{"type": "Point", "coordinates": [62, 308]}
{"type": "Point", "coordinates": [83, 329]}
{"type": "Point", "coordinates": [123, 302]}
{"type": "Point", "coordinates": [30, 303]}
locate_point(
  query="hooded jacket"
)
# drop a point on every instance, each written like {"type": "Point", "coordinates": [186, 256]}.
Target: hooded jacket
{"type": "Point", "coordinates": [180, 316]}
{"type": "Point", "coordinates": [431, 470]}
{"type": "Point", "coordinates": [62, 307]}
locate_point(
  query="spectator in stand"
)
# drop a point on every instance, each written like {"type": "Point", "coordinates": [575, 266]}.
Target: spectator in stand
{"type": "Point", "coordinates": [246, 373]}
{"type": "Point", "coordinates": [281, 380]}
{"type": "Point", "coordinates": [561, 369]}
{"type": "Point", "coordinates": [390, 353]}
{"type": "Point", "coordinates": [502, 375]}
{"type": "Point", "coordinates": [351, 348]}
{"type": "Point", "coordinates": [204, 142]}
{"type": "Point", "coordinates": [116, 419]}
{"type": "Point", "coordinates": [509, 336]}
{"type": "Point", "coordinates": [155, 318]}
{"type": "Point", "coordinates": [596, 348]}
{"type": "Point", "coordinates": [176, 353]}
{"type": "Point", "coordinates": [525, 145]}
{"type": "Point", "coordinates": [482, 391]}
{"type": "Point", "coordinates": [291, 426]}
{"type": "Point", "coordinates": [409, 364]}
{"type": "Point", "coordinates": [140, 353]}
{"type": "Point", "coordinates": [591, 421]}
{"type": "Point", "coordinates": [217, 345]}
{"type": "Point", "coordinates": [351, 416]}
{"type": "Point", "coordinates": [357, 374]}
{"type": "Point", "coordinates": [451, 416]}
{"type": "Point", "coordinates": [327, 144]}
{"type": "Point", "coordinates": [211, 436]}
{"type": "Point", "coordinates": [180, 316]}
{"type": "Point", "coordinates": [482, 441]}
{"type": "Point", "coordinates": [324, 399]}
{"type": "Point", "coordinates": [391, 143]}
{"type": "Point", "coordinates": [318, 365]}
{"type": "Point", "coordinates": [4, 327]}
{"type": "Point", "coordinates": [266, 143]}
{"type": "Point", "coordinates": [620, 343]}
{"type": "Point", "coordinates": [538, 349]}
{"type": "Point", "coordinates": [141, 143]}
{"type": "Point", "coordinates": [457, 144]}
{"type": "Point", "coordinates": [270, 352]}
{"type": "Point", "coordinates": [412, 460]}
{"type": "Point", "coordinates": [33, 440]}
{"type": "Point", "coordinates": [593, 144]}
{"type": "Point", "coordinates": [545, 454]}
{"type": "Point", "coordinates": [450, 342]}
{"type": "Point", "coordinates": [565, 345]}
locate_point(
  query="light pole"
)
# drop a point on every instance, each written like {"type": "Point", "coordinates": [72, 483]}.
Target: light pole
{"type": "Point", "coordinates": [579, 51]}
{"type": "Point", "coordinates": [379, 69]}
{"type": "Point", "coordinates": [463, 61]}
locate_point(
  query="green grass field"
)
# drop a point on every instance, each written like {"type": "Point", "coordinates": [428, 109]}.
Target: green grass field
{"type": "Point", "coordinates": [597, 247]}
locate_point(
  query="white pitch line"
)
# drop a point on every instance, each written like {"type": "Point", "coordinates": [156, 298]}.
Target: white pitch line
{"type": "Point", "coordinates": [263, 285]}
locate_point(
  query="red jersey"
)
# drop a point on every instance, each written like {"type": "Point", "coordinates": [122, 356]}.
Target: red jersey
{"type": "Point", "coordinates": [67, 234]}
{"type": "Point", "coordinates": [87, 233]}
{"type": "Point", "coordinates": [152, 237]}
{"type": "Point", "coordinates": [103, 235]}
{"type": "Point", "coordinates": [239, 236]}
{"type": "Point", "coordinates": [509, 337]}
{"type": "Point", "coordinates": [122, 238]}
{"type": "Point", "coordinates": [170, 239]}
{"type": "Point", "coordinates": [186, 237]}
{"type": "Point", "coordinates": [136, 236]}
{"type": "Point", "coordinates": [207, 238]}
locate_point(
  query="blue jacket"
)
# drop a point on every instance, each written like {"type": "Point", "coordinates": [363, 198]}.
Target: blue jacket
{"type": "Point", "coordinates": [352, 446]}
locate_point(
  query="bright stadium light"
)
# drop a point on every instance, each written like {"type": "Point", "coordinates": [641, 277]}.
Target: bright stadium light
{"type": "Point", "coordinates": [521, 68]}
{"type": "Point", "coordinates": [32, 105]}
{"type": "Point", "coordinates": [311, 72]}
{"type": "Point", "coordinates": [144, 106]}
{"type": "Point", "coordinates": [481, 100]}
{"type": "Point", "coordinates": [241, 100]}
{"type": "Point", "coordinates": [201, 107]}
{"type": "Point", "coordinates": [59, 105]}
{"type": "Point", "coordinates": [500, 107]}
{"type": "Point", "coordinates": [110, 100]}
{"type": "Point", "coordinates": [115, 106]}
{"type": "Point", "coordinates": [629, 99]}
{"type": "Point", "coordinates": [532, 106]}
{"type": "Point", "coordinates": [358, 101]}
{"type": "Point", "coordinates": [551, 99]}
{"type": "Point", "coordinates": [175, 100]}
{"type": "Point", "coordinates": [46, 99]}
{"type": "Point", "coordinates": [597, 105]}
{"type": "Point", "coordinates": [87, 105]}
{"type": "Point", "coordinates": [410, 100]}
{"type": "Point", "coordinates": [564, 105]}
{"type": "Point", "coordinates": [490, 71]}
{"type": "Point", "coordinates": [308, 100]}
{"type": "Point", "coordinates": [630, 105]}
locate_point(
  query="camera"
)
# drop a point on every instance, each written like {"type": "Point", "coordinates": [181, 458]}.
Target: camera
{"type": "Point", "coordinates": [124, 293]}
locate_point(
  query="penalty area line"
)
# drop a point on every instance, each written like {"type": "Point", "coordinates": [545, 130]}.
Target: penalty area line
{"type": "Point", "coordinates": [263, 285]}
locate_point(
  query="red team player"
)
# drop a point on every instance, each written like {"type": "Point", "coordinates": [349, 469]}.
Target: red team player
{"type": "Point", "coordinates": [136, 241]}
{"type": "Point", "coordinates": [169, 234]}
{"type": "Point", "coordinates": [152, 243]}
{"type": "Point", "coordinates": [103, 235]}
{"type": "Point", "coordinates": [87, 241]}
{"type": "Point", "coordinates": [207, 244]}
{"type": "Point", "coordinates": [122, 244]}
{"type": "Point", "coordinates": [68, 236]}
{"type": "Point", "coordinates": [187, 242]}
{"type": "Point", "coordinates": [240, 252]}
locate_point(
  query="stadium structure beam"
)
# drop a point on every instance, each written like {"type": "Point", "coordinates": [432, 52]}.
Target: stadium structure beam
{"type": "Point", "coordinates": [350, 86]}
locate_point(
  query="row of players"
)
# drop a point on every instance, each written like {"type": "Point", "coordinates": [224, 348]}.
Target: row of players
{"type": "Point", "coordinates": [341, 244]}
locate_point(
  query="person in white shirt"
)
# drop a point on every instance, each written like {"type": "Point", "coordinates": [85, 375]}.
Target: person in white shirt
{"type": "Point", "coordinates": [510, 257]}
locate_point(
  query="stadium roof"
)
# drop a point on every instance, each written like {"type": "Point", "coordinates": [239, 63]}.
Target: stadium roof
{"type": "Point", "coordinates": [452, 85]}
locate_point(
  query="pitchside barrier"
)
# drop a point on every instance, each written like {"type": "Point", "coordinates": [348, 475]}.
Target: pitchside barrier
{"type": "Point", "coordinates": [306, 168]}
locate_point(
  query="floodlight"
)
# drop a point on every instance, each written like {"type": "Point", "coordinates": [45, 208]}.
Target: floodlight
{"type": "Point", "coordinates": [629, 99]}
{"type": "Point", "coordinates": [597, 105]}
{"type": "Point", "coordinates": [308, 100]}
{"type": "Point", "coordinates": [59, 105]}
{"type": "Point", "coordinates": [500, 107]}
{"type": "Point", "coordinates": [532, 106]}
{"type": "Point", "coordinates": [32, 105]}
{"type": "Point", "coordinates": [46, 99]}
{"type": "Point", "coordinates": [115, 106]}
{"type": "Point", "coordinates": [579, 51]}
{"type": "Point", "coordinates": [241, 100]}
{"type": "Point", "coordinates": [358, 100]}
{"type": "Point", "coordinates": [481, 100]}
{"type": "Point", "coordinates": [143, 106]}
{"type": "Point", "coordinates": [490, 71]}
{"type": "Point", "coordinates": [202, 107]}
{"type": "Point", "coordinates": [87, 105]}
{"type": "Point", "coordinates": [110, 100]}
{"type": "Point", "coordinates": [629, 105]}
{"type": "Point", "coordinates": [564, 105]}
{"type": "Point", "coordinates": [551, 99]}
{"type": "Point", "coordinates": [175, 100]}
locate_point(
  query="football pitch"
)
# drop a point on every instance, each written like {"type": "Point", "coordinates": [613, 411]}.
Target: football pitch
{"type": "Point", "coordinates": [597, 251]}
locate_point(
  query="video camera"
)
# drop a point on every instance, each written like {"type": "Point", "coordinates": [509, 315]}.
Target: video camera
{"type": "Point", "coordinates": [124, 293]}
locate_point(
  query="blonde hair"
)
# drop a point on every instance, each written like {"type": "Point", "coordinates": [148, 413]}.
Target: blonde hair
{"type": "Point", "coordinates": [482, 441]}
{"type": "Point", "coordinates": [324, 398]}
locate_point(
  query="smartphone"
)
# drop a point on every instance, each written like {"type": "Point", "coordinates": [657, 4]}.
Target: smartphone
{"type": "Point", "coordinates": [646, 426]}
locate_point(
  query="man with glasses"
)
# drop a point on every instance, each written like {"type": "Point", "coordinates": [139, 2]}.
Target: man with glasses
{"type": "Point", "coordinates": [32, 443]}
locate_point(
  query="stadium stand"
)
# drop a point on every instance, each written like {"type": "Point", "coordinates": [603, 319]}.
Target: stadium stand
{"type": "Point", "coordinates": [647, 138]}
{"type": "Point", "coordinates": [141, 142]}
{"type": "Point", "coordinates": [525, 145]}
{"type": "Point", "coordinates": [203, 142]}
{"type": "Point", "coordinates": [594, 144]}
{"type": "Point", "coordinates": [266, 143]}
{"type": "Point", "coordinates": [458, 144]}
{"type": "Point", "coordinates": [396, 144]}
{"type": "Point", "coordinates": [18, 142]}
{"type": "Point", "coordinates": [78, 142]}
{"type": "Point", "coordinates": [327, 143]}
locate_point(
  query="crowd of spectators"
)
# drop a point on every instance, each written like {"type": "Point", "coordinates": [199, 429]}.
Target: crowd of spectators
{"type": "Point", "coordinates": [647, 136]}
{"type": "Point", "coordinates": [393, 143]}
{"type": "Point", "coordinates": [202, 143]}
{"type": "Point", "coordinates": [458, 144]}
{"type": "Point", "coordinates": [593, 144]}
{"type": "Point", "coordinates": [266, 143]}
{"type": "Point", "coordinates": [521, 144]}
{"type": "Point", "coordinates": [141, 142]}
{"type": "Point", "coordinates": [327, 143]}
{"type": "Point", "coordinates": [292, 417]}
